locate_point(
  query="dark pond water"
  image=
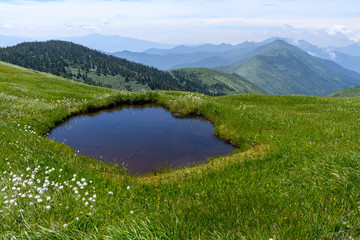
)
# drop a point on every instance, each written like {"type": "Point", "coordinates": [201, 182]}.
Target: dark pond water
{"type": "Point", "coordinates": [142, 137]}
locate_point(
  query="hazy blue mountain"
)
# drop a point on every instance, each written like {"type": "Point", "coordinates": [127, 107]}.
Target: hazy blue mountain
{"type": "Point", "coordinates": [95, 41]}
{"type": "Point", "coordinates": [6, 41]}
{"type": "Point", "coordinates": [208, 55]}
{"type": "Point", "coordinates": [165, 62]}
{"type": "Point", "coordinates": [352, 50]}
{"type": "Point", "coordinates": [313, 50]}
{"type": "Point", "coordinates": [182, 49]}
{"type": "Point", "coordinates": [211, 56]}
{"type": "Point", "coordinates": [345, 60]}
{"type": "Point", "coordinates": [114, 43]}
{"type": "Point", "coordinates": [282, 68]}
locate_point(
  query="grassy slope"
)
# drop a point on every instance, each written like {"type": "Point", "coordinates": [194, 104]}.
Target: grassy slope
{"type": "Point", "coordinates": [296, 175]}
{"type": "Point", "coordinates": [234, 82]}
{"type": "Point", "coordinates": [348, 92]}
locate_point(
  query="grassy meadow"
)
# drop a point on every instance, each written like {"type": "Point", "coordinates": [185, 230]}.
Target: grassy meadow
{"type": "Point", "coordinates": [295, 175]}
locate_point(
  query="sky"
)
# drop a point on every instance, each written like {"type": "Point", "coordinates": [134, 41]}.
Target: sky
{"type": "Point", "coordinates": [321, 22]}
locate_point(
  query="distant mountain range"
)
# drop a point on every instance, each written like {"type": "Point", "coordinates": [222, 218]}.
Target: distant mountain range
{"type": "Point", "coordinates": [95, 41]}
{"type": "Point", "coordinates": [348, 57]}
{"type": "Point", "coordinates": [115, 43]}
{"type": "Point", "coordinates": [93, 67]}
{"type": "Point", "coordinates": [167, 56]}
{"type": "Point", "coordinates": [7, 41]}
{"type": "Point", "coordinates": [275, 65]}
{"type": "Point", "coordinates": [352, 50]}
{"type": "Point", "coordinates": [210, 56]}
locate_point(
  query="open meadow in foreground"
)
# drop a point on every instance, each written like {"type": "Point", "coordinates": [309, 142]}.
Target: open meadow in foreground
{"type": "Point", "coordinates": [296, 174]}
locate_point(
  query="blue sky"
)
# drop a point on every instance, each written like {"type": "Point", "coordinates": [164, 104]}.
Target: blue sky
{"type": "Point", "coordinates": [330, 22]}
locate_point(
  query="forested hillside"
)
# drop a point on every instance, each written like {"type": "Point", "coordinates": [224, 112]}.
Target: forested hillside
{"type": "Point", "coordinates": [79, 63]}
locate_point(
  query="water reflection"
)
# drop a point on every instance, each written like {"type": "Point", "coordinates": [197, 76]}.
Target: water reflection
{"type": "Point", "coordinates": [142, 137]}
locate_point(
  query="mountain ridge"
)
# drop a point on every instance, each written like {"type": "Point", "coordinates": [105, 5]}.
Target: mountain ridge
{"type": "Point", "coordinates": [282, 68]}
{"type": "Point", "coordinates": [80, 63]}
{"type": "Point", "coordinates": [210, 55]}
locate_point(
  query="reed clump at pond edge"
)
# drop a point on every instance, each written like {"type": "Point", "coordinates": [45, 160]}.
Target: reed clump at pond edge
{"type": "Point", "coordinates": [295, 175]}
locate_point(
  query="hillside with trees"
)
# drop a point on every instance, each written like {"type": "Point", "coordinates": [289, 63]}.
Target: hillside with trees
{"type": "Point", "coordinates": [82, 64]}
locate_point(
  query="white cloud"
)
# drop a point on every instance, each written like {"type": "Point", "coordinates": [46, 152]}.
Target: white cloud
{"type": "Point", "coordinates": [351, 34]}
{"type": "Point", "coordinates": [339, 29]}
{"type": "Point", "coordinates": [229, 21]}
{"type": "Point", "coordinates": [7, 26]}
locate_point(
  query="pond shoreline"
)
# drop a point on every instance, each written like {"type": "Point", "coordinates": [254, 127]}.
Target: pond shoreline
{"type": "Point", "coordinates": [109, 134]}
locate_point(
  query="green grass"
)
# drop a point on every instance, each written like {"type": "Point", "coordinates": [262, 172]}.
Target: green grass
{"type": "Point", "coordinates": [219, 81]}
{"type": "Point", "coordinates": [295, 176]}
{"type": "Point", "coordinates": [348, 92]}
